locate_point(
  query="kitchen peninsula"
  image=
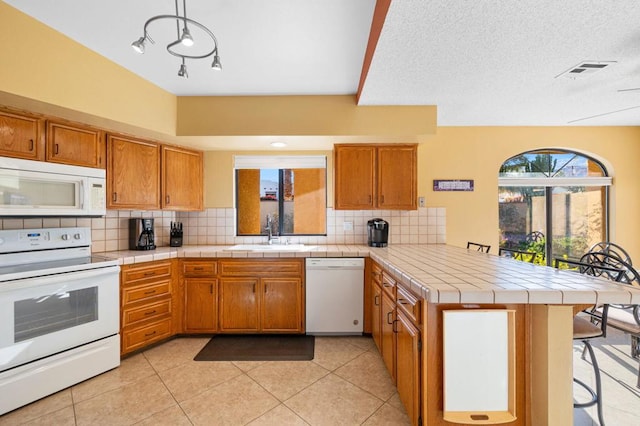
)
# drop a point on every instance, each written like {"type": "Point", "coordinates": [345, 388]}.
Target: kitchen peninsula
{"type": "Point", "coordinates": [451, 278]}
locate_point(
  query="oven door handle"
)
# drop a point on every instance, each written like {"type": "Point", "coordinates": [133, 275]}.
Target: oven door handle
{"type": "Point", "coordinates": [62, 280]}
{"type": "Point", "coordinates": [82, 194]}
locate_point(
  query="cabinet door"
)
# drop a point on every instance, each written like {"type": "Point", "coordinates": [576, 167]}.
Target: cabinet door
{"type": "Point", "coordinates": [182, 185]}
{"type": "Point", "coordinates": [76, 145]}
{"type": "Point", "coordinates": [281, 304]}
{"type": "Point", "coordinates": [397, 178]}
{"type": "Point", "coordinates": [239, 305]}
{"type": "Point", "coordinates": [388, 338]}
{"type": "Point", "coordinates": [200, 305]}
{"type": "Point", "coordinates": [133, 174]}
{"type": "Point", "coordinates": [354, 177]}
{"type": "Point", "coordinates": [21, 136]}
{"type": "Point", "coordinates": [376, 315]}
{"type": "Point", "coordinates": [408, 360]}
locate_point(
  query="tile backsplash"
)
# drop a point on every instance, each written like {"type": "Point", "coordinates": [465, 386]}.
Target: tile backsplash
{"type": "Point", "coordinates": [427, 225]}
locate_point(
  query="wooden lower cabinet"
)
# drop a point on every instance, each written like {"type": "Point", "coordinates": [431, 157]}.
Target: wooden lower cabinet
{"type": "Point", "coordinates": [146, 304]}
{"type": "Point", "coordinates": [281, 304]}
{"type": "Point", "coordinates": [408, 361]}
{"type": "Point", "coordinates": [239, 305]}
{"type": "Point", "coordinates": [261, 296]}
{"type": "Point", "coordinates": [376, 314]}
{"type": "Point", "coordinates": [201, 305]}
{"type": "Point", "coordinates": [261, 305]}
{"type": "Point", "coordinates": [396, 327]}
{"type": "Point", "coordinates": [388, 336]}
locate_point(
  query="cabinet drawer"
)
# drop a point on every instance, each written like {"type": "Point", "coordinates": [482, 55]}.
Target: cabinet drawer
{"type": "Point", "coordinates": [138, 273]}
{"type": "Point", "coordinates": [409, 303]}
{"type": "Point", "coordinates": [260, 267]}
{"type": "Point", "coordinates": [388, 284]}
{"type": "Point", "coordinates": [199, 268]}
{"type": "Point", "coordinates": [145, 291]}
{"type": "Point", "coordinates": [142, 313]}
{"type": "Point", "coordinates": [138, 338]}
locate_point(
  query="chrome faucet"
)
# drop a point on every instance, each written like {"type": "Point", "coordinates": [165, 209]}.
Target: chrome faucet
{"type": "Point", "coordinates": [269, 230]}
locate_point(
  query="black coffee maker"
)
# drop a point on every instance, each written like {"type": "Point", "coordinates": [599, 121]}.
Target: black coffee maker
{"type": "Point", "coordinates": [141, 235]}
{"type": "Point", "coordinates": [378, 231]}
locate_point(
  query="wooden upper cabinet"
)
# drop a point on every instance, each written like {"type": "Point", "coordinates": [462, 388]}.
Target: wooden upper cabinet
{"type": "Point", "coordinates": [21, 135]}
{"type": "Point", "coordinates": [182, 178]}
{"type": "Point", "coordinates": [133, 174]}
{"type": "Point", "coordinates": [75, 144]}
{"type": "Point", "coordinates": [397, 178]}
{"type": "Point", "coordinates": [355, 177]}
{"type": "Point", "coordinates": [381, 176]}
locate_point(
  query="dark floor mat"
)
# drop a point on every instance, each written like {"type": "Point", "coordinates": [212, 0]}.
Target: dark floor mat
{"type": "Point", "coordinates": [258, 347]}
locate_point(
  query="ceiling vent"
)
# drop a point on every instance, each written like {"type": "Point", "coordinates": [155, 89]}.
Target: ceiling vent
{"type": "Point", "coordinates": [585, 69]}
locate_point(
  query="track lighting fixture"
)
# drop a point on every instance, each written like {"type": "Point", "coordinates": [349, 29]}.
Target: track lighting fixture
{"type": "Point", "coordinates": [184, 38]}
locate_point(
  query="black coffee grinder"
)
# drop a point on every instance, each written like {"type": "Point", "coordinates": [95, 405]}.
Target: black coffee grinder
{"type": "Point", "coordinates": [141, 235]}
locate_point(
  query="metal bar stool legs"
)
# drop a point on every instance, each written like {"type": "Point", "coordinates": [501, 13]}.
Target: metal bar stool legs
{"type": "Point", "coordinates": [596, 396]}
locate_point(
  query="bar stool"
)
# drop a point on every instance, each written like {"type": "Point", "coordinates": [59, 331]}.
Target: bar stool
{"type": "Point", "coordinates": [586, 330]}
{"type": "Point", "coordinates": [594, 327]}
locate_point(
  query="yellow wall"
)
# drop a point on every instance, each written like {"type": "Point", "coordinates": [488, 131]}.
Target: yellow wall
{"type": "Point", "coordinates": [40, 63]}
{"type": "Point", "coordinates": [299, 115]}
{"type": "Point", "coordinates": [477, 153]}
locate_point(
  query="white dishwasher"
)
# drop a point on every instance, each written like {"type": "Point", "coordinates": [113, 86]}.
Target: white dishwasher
{"type": "Point", "coordinates": [335, 294]}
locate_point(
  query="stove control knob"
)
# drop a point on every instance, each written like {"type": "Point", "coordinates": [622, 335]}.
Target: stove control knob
{"type": "Point", "coordinates": [77, 236]}
{"type": "Point", "coordinates": [65, 237]}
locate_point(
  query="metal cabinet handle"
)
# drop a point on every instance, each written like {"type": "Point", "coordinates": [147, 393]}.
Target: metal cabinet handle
{"type": "Point", "coordinates": [31, 145]}
{"type": "Point", "coordinates": [115, 196]}
{"type": "Point", "coordinates": [265, 288]}
{"type": "Point", "coordinates": [393, 326]}
{"type": "Point", "coordinates": [254, 288]}
{"type": "Point", "coordinates": [370, 198]}
{"type": "Point", "coordinates": [403, 302]}
{"type": "Point", "coordinates": [167, 199]}
{"type": "Point", "coordinates": [198, 268]}
{"type": "Point", "coordinates": [149, 292]}
{"type": "Point", "coordinates": [149, 334]}
{"type": "Point", "coordinates": [149, 274]}
{"type": "Point", "coordinates": [376, 300]}
{"type": "Point", "coordinates": [150, 312]}
{"type": "Point", "coordinates": [56, 150]}
{"type": "Point", "coordinates": [389, 316]}
{"type": "Point", "coordinates": [211, 289]}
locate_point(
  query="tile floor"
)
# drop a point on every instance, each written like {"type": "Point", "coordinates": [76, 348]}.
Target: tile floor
{"type": "Point", "coordinates": [345, 384]}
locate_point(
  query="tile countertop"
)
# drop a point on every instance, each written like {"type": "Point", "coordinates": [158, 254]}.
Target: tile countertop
{"type": "Point", "coordinates": [441, 273]}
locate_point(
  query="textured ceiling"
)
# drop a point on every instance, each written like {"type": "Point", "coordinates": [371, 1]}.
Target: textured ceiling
{"type": "Point", "coordinates": [482, 63]}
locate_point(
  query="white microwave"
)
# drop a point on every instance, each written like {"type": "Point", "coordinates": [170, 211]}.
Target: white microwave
{"type": "Point", "coordinates": [38, 188]}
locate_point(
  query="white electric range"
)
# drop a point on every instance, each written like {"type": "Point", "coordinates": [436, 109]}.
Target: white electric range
{"type": "Point", "coordinates": [59, 313]}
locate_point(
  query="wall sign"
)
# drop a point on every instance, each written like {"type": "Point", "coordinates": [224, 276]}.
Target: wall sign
{"type": "Point", "coordinates": [453, 185]}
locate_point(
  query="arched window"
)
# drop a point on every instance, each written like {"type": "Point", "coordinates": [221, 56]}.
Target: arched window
{"type": "Point", "coordinates": [554, 202]}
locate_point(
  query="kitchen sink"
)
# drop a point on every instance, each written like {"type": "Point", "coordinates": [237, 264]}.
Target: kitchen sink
{"type": "Point", "coordinates": [272, 247]}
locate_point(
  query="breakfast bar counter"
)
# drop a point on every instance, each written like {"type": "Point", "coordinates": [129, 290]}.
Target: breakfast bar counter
{"type": "Point", "coordinates": [541, 300]}
{"type": "Point", "coordinates": [438, 272]}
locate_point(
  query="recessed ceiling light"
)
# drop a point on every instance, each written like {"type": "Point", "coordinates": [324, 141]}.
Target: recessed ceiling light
{"type": "Point", "coordinates": [278, 144]}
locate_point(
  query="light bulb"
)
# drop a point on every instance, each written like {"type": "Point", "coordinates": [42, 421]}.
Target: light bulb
{"type": "Point", "coordinates": [138, 45]}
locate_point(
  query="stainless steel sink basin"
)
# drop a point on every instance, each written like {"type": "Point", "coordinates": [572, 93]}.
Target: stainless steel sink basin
{"type": "Point", "coordinates": [272, 247]}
